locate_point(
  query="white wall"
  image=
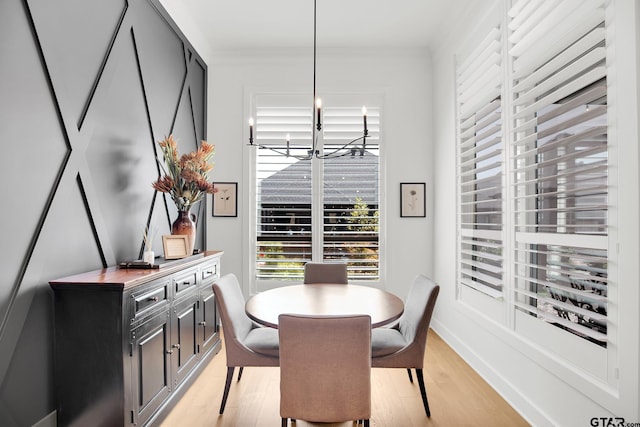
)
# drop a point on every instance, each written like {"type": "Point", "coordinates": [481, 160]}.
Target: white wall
{"type": "Point", "coordinates": [182, 17]}
{"type": "Point", "coordinates": [401, 76]}
{"type": "Point", "coordinates": [545, 388]}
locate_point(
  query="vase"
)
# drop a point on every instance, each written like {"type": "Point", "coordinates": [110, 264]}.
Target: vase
{"type": "Point", "coordinates": [185, 224]}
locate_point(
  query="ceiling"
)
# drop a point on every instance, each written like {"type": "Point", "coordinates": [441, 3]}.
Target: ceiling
{"type": "Point", "coordinates": [260, 24]}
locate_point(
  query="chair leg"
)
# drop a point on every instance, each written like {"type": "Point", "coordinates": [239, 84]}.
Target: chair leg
{"type": "Point", "coordinates": [227, 385]}
{"type": "Point", "coordinates": [410, 376]}
{"type": "Point", "coordinates": [240, 372]}
{"type": "Point", "coordinates": [285, 422]}
{"type": "Point", "coordinates": [423, 391]}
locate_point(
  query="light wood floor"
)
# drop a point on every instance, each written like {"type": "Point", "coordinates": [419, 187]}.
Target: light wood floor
{"type": "Point", "coordinates": [457, 397]}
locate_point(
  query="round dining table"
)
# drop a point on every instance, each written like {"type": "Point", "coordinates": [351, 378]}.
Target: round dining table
{"type": "Point", "coordinates": [324, 299]}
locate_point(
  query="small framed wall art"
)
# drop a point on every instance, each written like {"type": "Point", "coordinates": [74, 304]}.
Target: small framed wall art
{"type": "Point", "coordinates": [412, 199]}
{"type": "Point", "coordinates": [225, 200]}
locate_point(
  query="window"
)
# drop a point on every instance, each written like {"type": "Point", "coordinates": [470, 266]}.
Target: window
{"type": "Point", "coordinates": [545, 252]}
{"type": "Point", "coordinates": [315, 209]}
{"type": "Point", "coordinates": [480, 167]}
{"type": "Point", "coordinates": [560, 165]}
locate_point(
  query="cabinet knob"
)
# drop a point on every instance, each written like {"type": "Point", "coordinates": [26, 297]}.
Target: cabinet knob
{"type": "Point", "coordinates": [176, 346]}
{"type": "Point", "coordinates": [169, 351]}
{"type": "Point", "coordinates": [203, 323]}
{"type": "Point", "coordinates": [155, 299]}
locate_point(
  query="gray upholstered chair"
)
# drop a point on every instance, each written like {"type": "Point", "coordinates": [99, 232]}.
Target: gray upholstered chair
{"type": "Point", "coordinates": [246, 344]}
{"type": "Point", "coordinates": [403, 345]}
{"type": "Point", "coordinates": [325, 368]}
{"type": "Point", "coordinates": [325, 272]}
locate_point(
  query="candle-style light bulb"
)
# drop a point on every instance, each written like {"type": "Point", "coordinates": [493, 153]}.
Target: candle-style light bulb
{"type": "Point", "coordinates": [364, 117]}
{"type": "Point", "coordinates": [319, 113]}
{"type": "Point", "coordinates": [251, 130]}
{"type": "Point", "coordinates": [288, 140]}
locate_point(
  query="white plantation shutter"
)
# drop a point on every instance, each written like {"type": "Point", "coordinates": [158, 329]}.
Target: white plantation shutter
{"type": "Point", "coordinates": [560, 164]}
{"type": "Point", "coordinates": [273, 123]}
{"type": "Point", "coordinates": [340, 125]}
{"type": "Point", "coordinates": [283, 193]}
{"type": "Point", "coordinates": [480, 167]}
{"type": "Point", "coordinates": [351, 195]}
{"type": "Point", "coordinates": [348, 230]}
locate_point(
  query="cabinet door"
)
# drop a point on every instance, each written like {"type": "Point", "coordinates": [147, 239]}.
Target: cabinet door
{"type": "Point", "coordinates": [208, 330]}
{"type": "Point", "coordinates": [151, 382]}
{"type": "Point", "coordinates": [184, 343]}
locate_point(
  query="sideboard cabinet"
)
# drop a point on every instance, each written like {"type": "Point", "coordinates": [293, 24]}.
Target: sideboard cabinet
{"type": "Point", "coordinates": [128, 342]}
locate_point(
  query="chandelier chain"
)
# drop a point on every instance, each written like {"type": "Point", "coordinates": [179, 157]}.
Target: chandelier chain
{"type": "Point", "coordinates": [316, 125]}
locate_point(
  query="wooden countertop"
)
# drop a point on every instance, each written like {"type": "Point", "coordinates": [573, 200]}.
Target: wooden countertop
{"type": "Point", "coordinates": [117, 278]}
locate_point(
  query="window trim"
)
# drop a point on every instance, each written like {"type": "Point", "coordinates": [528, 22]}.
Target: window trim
{"type": "Point", "coordinates": [249, 202]}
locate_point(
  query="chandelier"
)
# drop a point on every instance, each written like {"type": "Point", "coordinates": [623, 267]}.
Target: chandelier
{"type": "Point", "coordinates": [352, 147]}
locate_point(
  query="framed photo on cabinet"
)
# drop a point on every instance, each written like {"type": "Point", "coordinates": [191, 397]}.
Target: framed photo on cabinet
{"type": "Point", "coordinates": [175, 246]}
{"type": "Point", "coordinates": [225, 200]}
{"type": "Point", "coordinates": [412, 199]}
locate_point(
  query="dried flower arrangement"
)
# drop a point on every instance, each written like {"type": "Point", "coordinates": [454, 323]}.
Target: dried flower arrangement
{"type": "Point", "coordinates": [185, 177]}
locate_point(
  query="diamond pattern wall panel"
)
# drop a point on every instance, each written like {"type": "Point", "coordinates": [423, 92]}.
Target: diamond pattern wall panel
{"type": "Point", "coordinates": [76, 36]}
{"type": "Point", "coordinates": [198, 93]}
{"type": "Point", "coordinates": [183, 129]}
{"type": "Point", "coordinates": [88, 87]}
{"type": "Point", "coordinates": [32, 154]}
{"type": "Point", "coordinates": [120, 151]}
{"type": "Point", "coordinates": [66, 235]}
{"type": "Point", "coordinates": [161, 55]}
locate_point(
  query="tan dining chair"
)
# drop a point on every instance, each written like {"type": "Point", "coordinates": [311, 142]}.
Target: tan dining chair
{"type": "Point", "coordinates": [325, 272]}
{"type": "Point", "coordinates": [403, 345]}
{"type": "Point", "coordinates": [325, 368]}
{"type": "Point", "coordinates": [245, 343]}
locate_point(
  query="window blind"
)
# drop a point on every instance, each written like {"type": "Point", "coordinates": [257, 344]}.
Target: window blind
{"type": "Point", "coordinates": [283, 193]}
{"type": "Point", "coordinates": [480, 167]}
{"type": "Point", "coordinates": [351, 193]}
{"type": "Point", "coordinates": [560, 162]}
{"type": "Point", "coordinates": [348, 191]}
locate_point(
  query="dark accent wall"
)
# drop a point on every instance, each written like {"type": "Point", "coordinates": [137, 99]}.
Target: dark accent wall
{"type": "Point", "coordinates": [87, 88]}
